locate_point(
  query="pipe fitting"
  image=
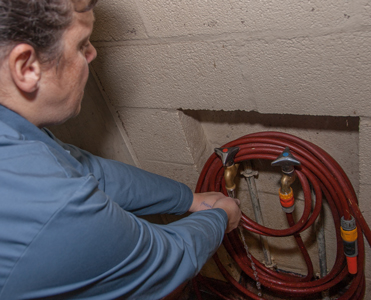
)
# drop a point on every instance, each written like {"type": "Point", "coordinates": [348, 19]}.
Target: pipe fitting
{"type": "Point", "coordinates": [349, 235]}
{"type": "Point", "coordinates": [230, 168]}
{"type": "Point", "coordinates": [286, 181]}
{"type": "Point", "coordinates": [287, 162]}
{"type": "Point", "coordinates": [229, 176]}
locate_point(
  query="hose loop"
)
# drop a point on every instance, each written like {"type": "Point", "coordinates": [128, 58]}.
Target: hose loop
{"type": "Point", "coordinates": [319, 171]}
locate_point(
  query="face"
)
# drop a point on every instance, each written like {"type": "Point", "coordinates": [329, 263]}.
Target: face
{"type": "Point", "coordinates": [64, 83]}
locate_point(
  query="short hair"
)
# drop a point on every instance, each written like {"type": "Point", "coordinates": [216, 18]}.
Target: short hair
{"type": "Point", "coordinates": [39, 23]}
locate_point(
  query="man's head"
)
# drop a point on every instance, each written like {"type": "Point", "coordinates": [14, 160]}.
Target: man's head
{"type": "Point", "coordinates": [44, 53]}
{"type": "Point", "coordinates": [39, 23]}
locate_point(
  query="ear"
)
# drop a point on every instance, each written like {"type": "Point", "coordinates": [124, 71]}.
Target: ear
{"type": "Point", "coordinates": [25, 68]}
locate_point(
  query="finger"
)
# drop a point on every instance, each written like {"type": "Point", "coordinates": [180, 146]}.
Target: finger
{"type": "Point", "coordinates": [237, 201]}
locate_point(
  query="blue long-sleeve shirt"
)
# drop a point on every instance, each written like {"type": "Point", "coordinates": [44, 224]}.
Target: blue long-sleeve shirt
{"type": "Point", "coordinates": [69, 225]}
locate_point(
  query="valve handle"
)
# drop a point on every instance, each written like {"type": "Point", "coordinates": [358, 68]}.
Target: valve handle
{"type": "Point", "coordinates": [227, 155]}
{"type": "Point", "coordinates": [286, 161]}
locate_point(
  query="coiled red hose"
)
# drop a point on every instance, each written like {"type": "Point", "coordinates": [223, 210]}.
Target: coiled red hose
{"type": "Point", "coordinates": [327, 178]}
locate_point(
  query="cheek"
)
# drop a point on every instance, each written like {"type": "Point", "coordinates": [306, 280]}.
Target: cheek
{"type": "Point", "coordinates": [84, 73]}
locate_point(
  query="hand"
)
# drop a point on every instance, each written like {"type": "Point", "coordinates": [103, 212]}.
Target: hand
{"type": "Point", "coordinates": [203, 201]}
{"type": "Point", "coordinates": [231, 207]}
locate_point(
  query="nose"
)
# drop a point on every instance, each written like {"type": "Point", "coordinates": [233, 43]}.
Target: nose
{"type": "Point", "coordinates": [91, 54]}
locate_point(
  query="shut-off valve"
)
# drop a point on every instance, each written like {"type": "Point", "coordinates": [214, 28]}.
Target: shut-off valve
{"type": "Point", "coordinates": [230, 168]}
{"type": "Point", "coordinates": [287, 162]}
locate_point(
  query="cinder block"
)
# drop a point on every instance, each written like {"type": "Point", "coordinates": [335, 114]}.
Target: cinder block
{"type": "Point", "coordinates": [365, 12]}
{"type": "Point", "coordinates": [364, 202]}
{"type": "Point", "coordinates": [186, 174]}
{"type": "Point", "coordinates": [117, 20]}
{"type": "Point", "coordinates": [368, 262]}
{"type": "Point", "coordinates": [365, 182]}
{"type": "Point", "coordinates": [198, 144]}
{"type": "Point", "coordinates": [198, 75]}
{"type": "Point", "coordinates": [182, 18]}
{"type": "Point", "coordinates": [325, 75]}
{"type": "Point", "coordinates": [156, 135]}
{"type": "Point", "coordinates": [364, 150]}
{"type": "Point", "coordinates": [368, 288]}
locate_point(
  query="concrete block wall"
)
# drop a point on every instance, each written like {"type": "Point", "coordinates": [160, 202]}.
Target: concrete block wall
{"type": "Point", "coordinates": [181, 77]}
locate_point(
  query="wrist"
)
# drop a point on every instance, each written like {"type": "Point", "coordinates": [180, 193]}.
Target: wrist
{"type": "Point", "coordinates": [204, 201]}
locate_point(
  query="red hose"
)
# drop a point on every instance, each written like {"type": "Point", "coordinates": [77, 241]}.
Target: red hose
{"type": "Point", "coordinates": [327, 178]}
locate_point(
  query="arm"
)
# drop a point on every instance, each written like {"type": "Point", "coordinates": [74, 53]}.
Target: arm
{"type": "Point", "coordinates": [92, 248]}
{"type": "Point", "coordinates": [141, 192]}
{"type": "Point", "coordinates": [138, 191]}
{"type": "Point", "coordinates": [135, 190]}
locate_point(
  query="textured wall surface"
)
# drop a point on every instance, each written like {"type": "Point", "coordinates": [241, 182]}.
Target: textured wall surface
{"type": "Point", "coordinates": [179, 78]}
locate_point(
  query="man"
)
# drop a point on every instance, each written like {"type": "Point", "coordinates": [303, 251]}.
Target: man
{"type": "Point", "coordinates": [68, 219]}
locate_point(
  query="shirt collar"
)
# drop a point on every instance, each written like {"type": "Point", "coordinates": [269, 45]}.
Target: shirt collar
{"type": "Point", "coordinates": [29, 131]}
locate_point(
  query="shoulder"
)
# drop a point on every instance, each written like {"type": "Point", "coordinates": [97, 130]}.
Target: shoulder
{"type": "Point", "coordinates": [31, 157]}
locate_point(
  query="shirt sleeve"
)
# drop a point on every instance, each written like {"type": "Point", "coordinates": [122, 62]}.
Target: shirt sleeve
{"type": "Point", "coordinates": [135, 190]}
{"type": "Point", "coordinates": [91, 248]}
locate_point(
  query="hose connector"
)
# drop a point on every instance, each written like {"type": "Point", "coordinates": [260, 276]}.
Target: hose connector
{"type": "Point", "coordinates": [349, 235]}
{"type": "Point", "coordinates": [287, 201]}
{"type": "Point", "coordinates": [230, 168]}
{"type": "Point", "coordinates": [287, 162]}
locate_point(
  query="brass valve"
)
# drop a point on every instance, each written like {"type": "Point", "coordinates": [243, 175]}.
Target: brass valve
{"type": "Point", "coordinates": [286, 181]}
{"type": "Point", "coordinates": [230, 168]}
{"type": "Point", "coordinates": [229, 176]}
{"type": "Point", "coordinates": [287, 162]}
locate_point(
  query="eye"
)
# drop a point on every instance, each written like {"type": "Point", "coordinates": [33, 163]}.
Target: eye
{"type": "Point", "coordinates": [86, 45]}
